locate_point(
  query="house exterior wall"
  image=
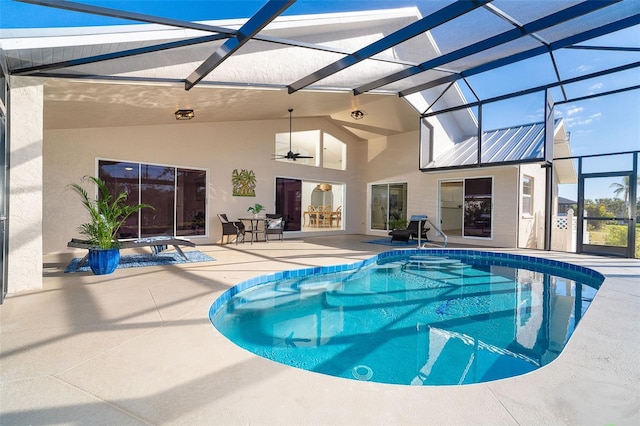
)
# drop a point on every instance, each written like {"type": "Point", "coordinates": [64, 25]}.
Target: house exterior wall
{"type": "Point", "coordinates": [217, 147]}
{"type": "Point", "coordinates": [531, 233]}
{"type": "Point", "coordinates": [394, 159]}
{"type": "Point", "coordinates": [26, 186]}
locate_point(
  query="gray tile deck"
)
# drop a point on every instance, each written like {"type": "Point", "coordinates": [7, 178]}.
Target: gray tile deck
{"type": "Point", "coordinates": [137, 347]}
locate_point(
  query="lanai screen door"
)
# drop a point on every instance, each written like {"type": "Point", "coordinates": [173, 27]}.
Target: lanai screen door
{"type": "Point", "coordinates": [607, 205]}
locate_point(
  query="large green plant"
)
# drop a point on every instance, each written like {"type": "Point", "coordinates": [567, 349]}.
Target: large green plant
{"type": "Point", "coordinates": [107, 213]}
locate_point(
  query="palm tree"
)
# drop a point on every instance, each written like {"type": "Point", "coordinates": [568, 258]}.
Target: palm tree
{"type": "Point", "coordinates": [623, 188]}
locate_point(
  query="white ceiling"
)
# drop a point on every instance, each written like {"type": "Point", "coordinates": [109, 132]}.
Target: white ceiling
{"type": "Point", "coordinates": [73, 104]}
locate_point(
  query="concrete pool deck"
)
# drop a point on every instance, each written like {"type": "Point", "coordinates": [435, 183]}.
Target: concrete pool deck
{"type": "Point", "coordinates": [137, 347]}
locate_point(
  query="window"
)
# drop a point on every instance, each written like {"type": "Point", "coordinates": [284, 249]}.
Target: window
{"type": "Point", "coordinates": [311, 143]}
{"type": "Point", "coordinates": [178, 196]}
{"type": "Point", "coordinates": [310, 206]}
{"type": "Point", "coordinates": [389, 206]}
{"type": "Point", "coordinates": [305, 143]}
{"type": "Point", "coordinates": [334, 153]}
{"type": "Point", "coordinates": [527, 194]}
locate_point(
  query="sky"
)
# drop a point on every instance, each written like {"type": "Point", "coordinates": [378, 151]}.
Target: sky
{"type": "Point", "coordinates": [603, 124]}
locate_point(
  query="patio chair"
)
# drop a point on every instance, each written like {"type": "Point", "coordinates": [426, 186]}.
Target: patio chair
{"type": "Point", "coordinates": [336, 216]}
{"type": "Point", "coordinates": [231, 228]}
{"type": "Point", "coordinates": [416, 222]}
{"type": "Point", "coordinates": [274, 225]}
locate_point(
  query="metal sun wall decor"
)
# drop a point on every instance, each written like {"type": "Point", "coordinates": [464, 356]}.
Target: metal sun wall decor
{"type": "Point", "coordinates": [244, 183]}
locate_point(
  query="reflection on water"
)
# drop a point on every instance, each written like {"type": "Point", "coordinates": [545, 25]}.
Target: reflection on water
{"type": "Point", "coordinates": [418, 320]}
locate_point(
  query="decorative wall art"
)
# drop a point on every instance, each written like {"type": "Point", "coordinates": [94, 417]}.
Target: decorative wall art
{"type": "Point", "coordinates": [244, 183]}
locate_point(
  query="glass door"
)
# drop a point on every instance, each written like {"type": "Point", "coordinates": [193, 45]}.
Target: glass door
{"type": "Point", "coordinates": [605, 224]}
{"type": "Point", "coordinates": [389, 206]}
{"type": "Point", "coordinates": [289, 202]}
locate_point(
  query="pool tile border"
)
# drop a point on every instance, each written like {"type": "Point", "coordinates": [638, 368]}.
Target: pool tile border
{"type": "Point", "coordinates": [496, 258]}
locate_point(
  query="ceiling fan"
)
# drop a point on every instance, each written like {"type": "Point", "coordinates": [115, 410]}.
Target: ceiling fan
{"type": "Point", "coordinates": [291, 155]}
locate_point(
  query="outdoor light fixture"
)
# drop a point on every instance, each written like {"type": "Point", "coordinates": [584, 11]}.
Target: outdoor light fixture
{"type": "Point", "coordinates": [357, 114]}
{"type": "Point", "coordinates": [184, 114]}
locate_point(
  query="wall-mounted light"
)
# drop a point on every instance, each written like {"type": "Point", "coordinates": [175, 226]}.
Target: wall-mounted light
{"type": "Point", "coordinates": [358, 114]}
{"type": "Point", "coordinates": [184, 114]}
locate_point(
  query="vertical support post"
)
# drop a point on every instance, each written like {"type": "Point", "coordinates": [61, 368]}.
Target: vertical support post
{"type": "Point", "coordinates": [633, 211]}
{"type": "Point", "coordinates": [549, 131]}
{"type": "Point", "coordinates": [580, 232]}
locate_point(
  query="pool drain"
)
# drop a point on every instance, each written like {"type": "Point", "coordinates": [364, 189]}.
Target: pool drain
{"type": "Point", "coordinates": [362, 372]}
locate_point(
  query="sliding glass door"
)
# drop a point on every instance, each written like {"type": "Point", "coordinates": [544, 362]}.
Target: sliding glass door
{"type": "Point", "coordinates": [289, 202]}
{"type": "Point", "coordinates": [178, 197]}
{"type": "Point", "coordinates": [466, 207]}
{"type": "Point", "coordinates": [389, 206]}
{"type": "Point", "coordinates": [478, 201]}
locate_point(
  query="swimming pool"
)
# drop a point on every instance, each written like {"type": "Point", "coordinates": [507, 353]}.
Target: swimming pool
{"type": "Point", "coordinates": [412, 317]}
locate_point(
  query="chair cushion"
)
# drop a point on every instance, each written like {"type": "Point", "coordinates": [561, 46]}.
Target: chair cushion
{"type": "Point", "coordinates": [274, 223]}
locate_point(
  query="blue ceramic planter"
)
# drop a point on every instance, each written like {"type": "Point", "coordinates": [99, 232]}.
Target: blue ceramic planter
{"type": "Point", "coordinates": [103, 262]}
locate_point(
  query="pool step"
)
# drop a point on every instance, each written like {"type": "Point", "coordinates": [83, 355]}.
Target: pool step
{"type": "Point", "coordinates": [435, 263]}
{"type": "Point", "coordinates": [389, 267]}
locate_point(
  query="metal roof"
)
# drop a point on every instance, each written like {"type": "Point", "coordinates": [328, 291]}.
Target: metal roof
{"type": "Point", "coordinates": [421, 50]}
{"type": "Point", "coordinates": [509, 145]}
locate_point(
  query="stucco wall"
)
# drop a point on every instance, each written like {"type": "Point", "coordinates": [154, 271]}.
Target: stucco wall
{"type": "Point", "coordinates": [395, 159]}
{"type": "Point", "coordinates": [25, 202]}
{"type": "Point", "coordinates": [218, 147]}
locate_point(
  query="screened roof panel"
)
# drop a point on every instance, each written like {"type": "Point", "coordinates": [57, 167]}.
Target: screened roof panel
{"type": "Point", "coordinates": [577, 62]}
{"type": "Point", "coordinates": [621, 80]}
{"type": "Point", "coordinates": [532, 72]}
{"type": "Point", "coordinates": [455, 34]}
{"type": "Point", "coordinates": [415, 80]}
{"type": "Point", "coordinates": [527, 11]}
{"type": "Point", "coordinates": [604, 16]}
{"type": "Point", "coordinates": [493, 54]}
{"type": "Point", "coordinates": [294, 48]}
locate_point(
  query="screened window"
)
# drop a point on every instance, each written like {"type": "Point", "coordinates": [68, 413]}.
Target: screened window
{"type": "Point", "coordinates": [527, 194]}
{"type": "Point", "coordinates": [389, 206]}
{"type": "Point", "coordinates": [178, 197]}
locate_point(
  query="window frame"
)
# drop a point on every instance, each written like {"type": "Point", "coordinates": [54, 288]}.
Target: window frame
{"type": "Point", "coordinates": [387, 204]}
{"type": "Point", "coordinates": [137, 218]}
{"type": "Point", "coordinates": [525, 195]}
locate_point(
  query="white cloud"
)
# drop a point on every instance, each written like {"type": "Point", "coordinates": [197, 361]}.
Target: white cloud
{"type": "Point", "coordinates": [582, 68]}
{"type": "Point", "coordinates": [597, 86]}
{"type": "Point", "coordinates": [574, 110]}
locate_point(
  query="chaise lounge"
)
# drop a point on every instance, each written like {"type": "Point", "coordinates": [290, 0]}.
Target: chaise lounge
{"type": "Point", "coordinates": [417, 226]}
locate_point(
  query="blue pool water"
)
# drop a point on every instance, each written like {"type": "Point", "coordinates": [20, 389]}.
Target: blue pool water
{"type": "Point", "coordinates": [412, 317]}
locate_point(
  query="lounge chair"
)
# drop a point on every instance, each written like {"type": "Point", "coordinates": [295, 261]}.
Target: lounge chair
{"type": "Point", "coordinates": [417, 224]}
{"type": "Point", "coordinates": [274, 225]}
{"type": "Point", "coordinates": [231, 228]}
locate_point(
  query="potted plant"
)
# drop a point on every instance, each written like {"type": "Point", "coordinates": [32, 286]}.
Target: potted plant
{"type": "Point", "coordinates": [107, 214]}
{"type": "Point", "coordinates": [255, 209]}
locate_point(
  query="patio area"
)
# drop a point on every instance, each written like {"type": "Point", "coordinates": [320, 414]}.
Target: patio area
{"type": "Point", "coordinates": [137, 347]}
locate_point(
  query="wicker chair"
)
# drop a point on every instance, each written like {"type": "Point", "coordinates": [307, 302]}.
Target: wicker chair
{"type": "Point", "coordinates": [231, 228]}
{"type": "Point", "coordinates": [274, 225]}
